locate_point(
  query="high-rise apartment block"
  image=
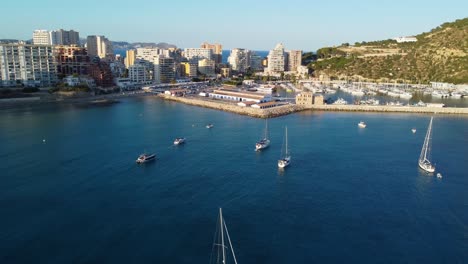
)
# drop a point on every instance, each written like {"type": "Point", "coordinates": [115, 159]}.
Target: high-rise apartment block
{"type": "Point", "coordinates": [41, 37]}
{"type": "Point", "coordinates": [65, 37]}
{"type": "Point", "coordinates": [217, 51]}
{"type": "Point", "coordinates": [294, 59]}
{"type": "Point", "coordinates": [277, 59]}
{"type": "Point", "coordinates": [239, 60]}
{"type": "Point", "coordinates": [206, 67]}
{"type": "Point", "coordinates": [99, 46]}
{"type": "Point", "coordinates": [164, 69]}
{"type": "Point", "coordinates": [130, 58]}
{"type": "Point", "coordinates": [72, 60]}
{"type": "Point", "coordinates": [189, 69]}
{"type": "Point", "coordinates": [138, 73]}
{"type": "Point", "coordinates": [196, 54]}
{"type": "Point", "coordinates": [31, 65]}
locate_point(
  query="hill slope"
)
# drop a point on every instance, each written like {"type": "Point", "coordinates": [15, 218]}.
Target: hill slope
{"type": "Point", "coordinates": [438, 55]}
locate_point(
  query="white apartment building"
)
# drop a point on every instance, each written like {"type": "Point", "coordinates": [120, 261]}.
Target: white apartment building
{"type": "Point", "coordinates": [31, 65]}
{"type": "Point", "coordinates": [294, 60]}
{"type": "Point", "coordinates": [276, 59]}
{"type": "Point", "coordinates": [64, 37]}
{"type": "Point", "coordinates": [196, 54]}
{"type": "Point", "coordinates": [41, 37]}
{"type": "Point", "coordinates": [207, 67]}
{"type": "Point", "coordinates": [138, 73]}
{"type": "Point", "coordinates": [164, 69]}
{"type": "Point", "coordinates": [99, 46]}
{"type": "Point", "coordinates": [239, 60]}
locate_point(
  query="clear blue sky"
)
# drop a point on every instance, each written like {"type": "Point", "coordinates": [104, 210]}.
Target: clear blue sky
{"type": "Point", "coordinates": [252, 24]}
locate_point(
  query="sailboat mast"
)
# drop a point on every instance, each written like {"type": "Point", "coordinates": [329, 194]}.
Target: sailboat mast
{"type": "Point", "coordinates": [428, 138]}
{"type": "Point", "coordinates": [222, 234]}
{"type": "Point", "coordinates": [266, 128]}
{"type": "Point", "coordinates": [287, 151]}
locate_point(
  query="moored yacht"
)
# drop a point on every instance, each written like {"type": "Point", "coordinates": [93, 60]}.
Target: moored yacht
{"type": "Point", "coordinates": [362, 124]}
{"type": "Point", "coordinates": [143, 158]}
{"type": "Point", "coordinates": [265, 141]}
{"type": "Point", "coordinates": [285, 159]}
{"type": "Point", "coordinates": [209, 126]}
{"type": "Point", "coordinates": [424, 162]}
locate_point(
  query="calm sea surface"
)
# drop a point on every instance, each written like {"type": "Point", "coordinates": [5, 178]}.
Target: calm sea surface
{"type": "Point", "coordinates": [350, 195]}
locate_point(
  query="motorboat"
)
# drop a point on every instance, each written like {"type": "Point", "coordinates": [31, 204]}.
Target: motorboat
{"type": "Point", "coordinates": [143, 158]}
{"type": "Point", "coordinates": [179, 141]}
{"type": "Point", "coordinates": [209, 126]}
{"type": "Point", "coordinates": [362, 124]}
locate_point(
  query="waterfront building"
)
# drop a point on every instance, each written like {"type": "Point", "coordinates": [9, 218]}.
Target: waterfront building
{"type": "Point", "coordinates": [189, 69]}
{"type": "Point", "coordinates": [130, 58]}
{"type": "Point", "coordinates": [99, 46]}
{"type": "Point", "coordinates": [64, 37]}
{"type": "Point", "coordinates": [164, 69]}
{"type": "Point", "coordinates": [30, 65]}
{"type": "Point", "coordinates": [138, 73]}
{"type": "Point", "coordinates": [308, 99]}
{"type": "Point", "coordinates": [72, 60]}
{"type": "Point", "coordinates": [277, 59]}
{"type": "Point", "coordinates": [240, 96]}
{"type": "Point", "coordinates": [265, 105]}
{"type": "Point", "coordinates": [148, 54]}
{"type": "Point", "coordinates": [294, 60]}
{"type": "Point", "coordinates": [206, 67]}
{"type": "Point", "coordinates": [41, 37]}
{"type": "Point", "coordinates": [217, 51]}
{"type": "Point", "coordinates": [197, 54]}
{"type": "Point", "coordinates": [239, 60]}
{"type": "Point", "coordinates": [225, 72]}
{"type": "Point", "coordinates": [101, 72]}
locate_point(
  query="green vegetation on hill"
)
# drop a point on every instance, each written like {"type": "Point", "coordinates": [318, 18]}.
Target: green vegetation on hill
{"type": "Point", "coordinates": [438, 55]}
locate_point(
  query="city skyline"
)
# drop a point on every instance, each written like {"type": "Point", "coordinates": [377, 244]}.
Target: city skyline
{"type": "Point", "coordinates": [298, 25]}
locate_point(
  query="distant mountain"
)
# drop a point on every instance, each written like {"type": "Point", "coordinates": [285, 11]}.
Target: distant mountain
{"type": "Point", "coordinates": [438, 55]}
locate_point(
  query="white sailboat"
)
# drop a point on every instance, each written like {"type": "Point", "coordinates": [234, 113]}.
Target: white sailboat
{"type": "Point", "coordinates": [265, 141]}
{"type": "Point", "coordinates": [218, 253]}
{"type": "Point", "coordinates": [424, 162]}
{"type": "Point", "coordinates": [285, 159]}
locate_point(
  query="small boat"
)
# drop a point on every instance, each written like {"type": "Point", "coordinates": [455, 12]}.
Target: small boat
{"type": "Point", "coordinates": [209, 126]}
{"type": "Point", "coordinates": [413, 130]}
{"type": "Point", "coordinates": [424, 162]}
{"type": "Point", "coordinates": [285, 159]}
{"type": "Point", "coordinates": [362, 124]}
{"type": "Point", "coordinates": [264, 142]}
{"type": "Point", "coordinates": [143, 158]}
{"type": "Point", "coordinates": [439, 175]}
{"type": "Point", "coordinates": [222, 251]}
{"type": "Point", "coordinates": [179, 141]}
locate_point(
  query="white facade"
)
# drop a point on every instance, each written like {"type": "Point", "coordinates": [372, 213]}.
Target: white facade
{"type": "Point", "coordinates": [239, 60]}
{"type": "Point", "coordinates": [138, 73]}
{"type": "Point", "coordinates": [32, 65]}
{"type": "Point", "coordinates": [196, 54]}
{"type": "Point", "coordinates": [406, 39]}
{"type": "Point", "coordinates": [41, 37]}
{"type": "Point", "coordinates": [303, 70]}
{"type": "Point", "coordinates": [276, 59]}
{"type": "Point", "coordinates": [99, 46]}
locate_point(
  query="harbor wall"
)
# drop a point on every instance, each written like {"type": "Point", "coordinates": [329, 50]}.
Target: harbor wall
{"type": "Point", "coordinates": [231, 107]}
{"type": "Point", "coordinates": [393, 109]}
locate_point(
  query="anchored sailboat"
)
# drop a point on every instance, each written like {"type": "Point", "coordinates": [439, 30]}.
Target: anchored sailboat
{"type": "Point", "coordinates": [218, 253]}
{"type": "Point", "coordinates": [424, 162]}
{"type": "Point", "coordinates": [285, 159]}
{"type": "Point", "coordinates": [265, 142]}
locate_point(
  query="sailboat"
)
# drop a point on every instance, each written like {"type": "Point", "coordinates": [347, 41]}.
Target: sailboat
{"type": "Point", "coordinates": [286, 156]}
{"type": "Point", "coordinates": [424, 162]}
{"type": "Point", "coordinates": [265, 142]}
{"type": "Point", "coordinates": [218, 253]}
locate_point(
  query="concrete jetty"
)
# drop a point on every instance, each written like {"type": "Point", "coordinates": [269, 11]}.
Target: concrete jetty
{"type": "Point", "coordinates": [391, 109]}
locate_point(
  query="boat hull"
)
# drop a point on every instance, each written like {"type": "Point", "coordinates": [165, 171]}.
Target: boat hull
{"type": "Point", "coordinates": [426, 167]}
{"type": "Point", "coordinates": [283, 163]}
{"type": "Point", "coordinates": [262, 145]}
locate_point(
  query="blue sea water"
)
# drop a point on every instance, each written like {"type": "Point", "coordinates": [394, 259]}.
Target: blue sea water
{"type": "Point", "coordinates": [350, 195]}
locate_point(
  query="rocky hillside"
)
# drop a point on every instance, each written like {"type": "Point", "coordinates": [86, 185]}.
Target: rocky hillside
{"type": "Point", "coordinates": [438, 55]}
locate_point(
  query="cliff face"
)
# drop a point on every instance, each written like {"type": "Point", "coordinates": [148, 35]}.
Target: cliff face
{"type": "Point", "coordinates": [438, 55]}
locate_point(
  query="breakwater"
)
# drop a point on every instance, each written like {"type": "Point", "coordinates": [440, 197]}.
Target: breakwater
{"type": "Point", "coordinates": [391, 109]}
{"type": "Point", "coordinates": [232, 107]}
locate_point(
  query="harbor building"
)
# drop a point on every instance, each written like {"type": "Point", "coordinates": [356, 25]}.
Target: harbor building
{"type": "Point", "coordinates": [240, 96]}
{"type": "Point", "coordinates": [41, 37]}
{"type": "Point", "coordinates": [30, 65]}
{"type": "Point", "coordinates": [99, 46]}
{"type": "Point", "coordinates": [164, 69]}
{"type": "Point", "coordinates": [197, 54]}
{"type": "Point", "coordinates": [265, 105]}
{"type": "Point", "coordinates": [72, 60]}
{"type": "Point", "coordinates": [206, 67]}
{"type": "Point", "coordinates": [130, 57]}
{"type": "Point", "coordinates": [294, 60]}
{"type": "Point", "coordinates": [276, 59]}
{"type": "Point", "coordinates": [64, 37]}
{"type": "Point", "coordinates": [308, 99]}
{"type": "Point", "coordinates": [239, 60]}
{"type": "Point", "coordinates": [217, 51]}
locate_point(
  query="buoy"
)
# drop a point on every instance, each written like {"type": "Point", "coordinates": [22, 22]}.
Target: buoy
{"type": "Point", "coordinates": [43, 140]}
{"type": "Point", "coordinates": [439, 175]}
